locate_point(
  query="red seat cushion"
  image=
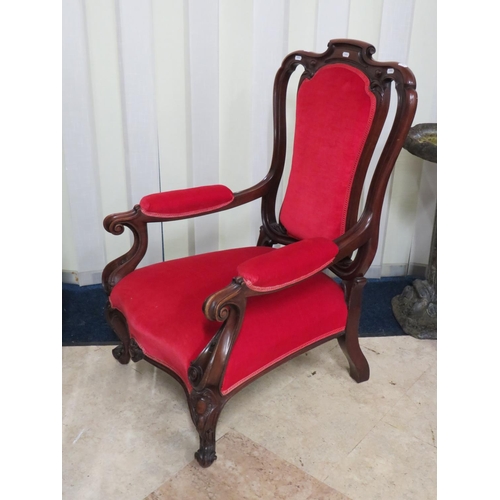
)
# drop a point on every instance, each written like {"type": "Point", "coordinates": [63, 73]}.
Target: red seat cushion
{"type": "Point", "coordinates": [163, 307]}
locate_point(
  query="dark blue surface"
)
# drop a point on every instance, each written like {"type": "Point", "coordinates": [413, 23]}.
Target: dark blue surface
{"type": "Point", "coordinates": [377, 318]}
{"type": "Point", "coordinates": [83, 321]}
{"type": "Point", "coordinates": [84, 324]}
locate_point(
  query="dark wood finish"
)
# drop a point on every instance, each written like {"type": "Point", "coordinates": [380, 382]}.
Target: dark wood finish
{"type": "Point", "coordinates": [119, 324]}
{"type": "Point", "coordinates": [205, 407]}
{"type": "Point", "coordinates": [264, 240]}
{"type": "Point", "coordinates": [349, 343]}
{"type": "Point", "coordinates": [206, 373]}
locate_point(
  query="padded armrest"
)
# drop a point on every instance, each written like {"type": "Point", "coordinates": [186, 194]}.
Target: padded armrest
{"type": "Point", "coordinates": [185, 202]}
{"type": "Point", "coordinates": [287, 265]}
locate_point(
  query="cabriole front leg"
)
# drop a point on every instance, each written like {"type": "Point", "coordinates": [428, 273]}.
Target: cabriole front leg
{"type": "Point", "coordinates": [119, 325]}
{"type": "Point", "coordinates": [206, 407]}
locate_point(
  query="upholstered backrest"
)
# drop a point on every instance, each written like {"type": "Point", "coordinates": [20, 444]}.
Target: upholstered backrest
{"type": "Point", "coordinates": [335, 110]}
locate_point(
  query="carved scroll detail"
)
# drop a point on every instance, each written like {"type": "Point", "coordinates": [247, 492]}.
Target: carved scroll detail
{"type": "Point", "coordinates": [226, 306]}
{"type": "Point", "coordinates": [125, 264]}
{"type": "Point", "coordinates": [205, 407]}
{"type": "Point", "coordinates": [136, 352]}
{"type": "Point", "coordinates": [218, 305]}
{"type": "Point", "coordinates": [195, 374]}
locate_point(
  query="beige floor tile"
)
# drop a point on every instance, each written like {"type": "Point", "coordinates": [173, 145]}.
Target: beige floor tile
{"type": "Point", "coordinates": [312, 423]}
{"type": "Point", "coordinates": [274, 383]}
{"type": "Point", "coordinates": [244, 470]}
{"type": "Point", "coordinates": [416, 412]}
{"type": "Point", "coordinates": [315, 421]}
{"type": "Point", "coordinates": [400, 360]}
{"type": "Point", "coordinates": [389, 464]}
{"type": "Point", "coordinates": [126, 429]}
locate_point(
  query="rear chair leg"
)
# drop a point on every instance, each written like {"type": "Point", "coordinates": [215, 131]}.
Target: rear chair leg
{"type": "Point", "coordinates": [349, 342]}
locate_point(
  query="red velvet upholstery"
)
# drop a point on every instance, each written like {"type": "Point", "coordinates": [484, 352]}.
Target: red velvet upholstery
{"type": "Point", "coordinates": [288, 265]}
{"type": "Point", "coordinates": [276, 302]}
{"type": "Point", "coordinates": [335, 110]}
{"type": "Point", "coordinates": [163, 306]}
{"type": "Point", "coordinates": [282, 323]}
{"type": "Point", "coordinates": [183, 202]}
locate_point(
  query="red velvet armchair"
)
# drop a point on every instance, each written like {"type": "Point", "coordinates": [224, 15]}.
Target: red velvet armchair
{"type": "Point", "coordinates": [219, 320]}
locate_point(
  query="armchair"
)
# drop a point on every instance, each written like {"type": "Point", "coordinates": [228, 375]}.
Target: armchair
{"type": "Point", "coordinates": [219, 320]}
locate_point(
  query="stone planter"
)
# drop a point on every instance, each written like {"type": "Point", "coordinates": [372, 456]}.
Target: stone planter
{"type": "Point", "coordinates": [416, 307]}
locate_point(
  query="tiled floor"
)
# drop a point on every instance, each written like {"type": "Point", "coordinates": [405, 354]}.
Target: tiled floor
{"type": "Point", "coordinates": [305, 430]}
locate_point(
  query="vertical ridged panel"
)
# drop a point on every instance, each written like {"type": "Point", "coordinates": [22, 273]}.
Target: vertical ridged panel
{"type": "Point", "coordinates": [332, 21]}
{"type": "Point", "coordinates": [302, 24]}
{"type": "Point", "coordinates": [364, 21]}
{"type": "Point", "coordinates": [108, 117]}
{"type": "Point", "coordinates": [270, 46]}
{"type": "Point", "coordinates": [80, 159]}
{"type": "Point", "coordinates": [413, 195]}
{"type": "Point", "coordinates": [423, 60]}
{"type": "Point", "coordinates": [170, 31]}
{"type": "Point", "coordinates": [138, 94]}
{"type": "Point", "coordinates": [235, 125]}
{"type": "Point", "coordinates": [204, 88]}
{"type": "Point", "coordinates": [393, 45]}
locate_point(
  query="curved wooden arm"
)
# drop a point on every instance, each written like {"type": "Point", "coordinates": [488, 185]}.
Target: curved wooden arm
{"type": "Point", "coordinates": [363, 237]}
{"type": "Point", "coordinates": [120, 267]}
{"type": "Point", "coordinates": [137, 222]}
{"type": "Point", "coordinates": [355, 237]}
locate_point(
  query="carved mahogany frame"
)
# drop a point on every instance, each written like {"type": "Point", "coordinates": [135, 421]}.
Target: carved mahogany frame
{"type": "Point", "coordinates": [206, 373]}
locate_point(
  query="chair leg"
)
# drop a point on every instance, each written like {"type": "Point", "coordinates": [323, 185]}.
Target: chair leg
{"type": "Point", "coordinates": [349, 343]}
{"type": "Point", "coordinates": [119, 325]}
{"type": "Point", "coordinates": [205, 407]}
{"type": "Point", "coordinates": [121, 353]}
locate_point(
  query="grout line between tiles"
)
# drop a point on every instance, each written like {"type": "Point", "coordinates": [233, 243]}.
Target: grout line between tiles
{"type": "Point", "coordinates": [363, 438]}
{"type": "Point", "coordinates": [406, 394]}
{"type": "Point", "coordinates": [384, 414]}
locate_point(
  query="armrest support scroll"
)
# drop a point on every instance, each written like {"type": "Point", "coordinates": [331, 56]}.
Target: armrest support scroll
{"type": "Point", "coordinates": [125, 264]}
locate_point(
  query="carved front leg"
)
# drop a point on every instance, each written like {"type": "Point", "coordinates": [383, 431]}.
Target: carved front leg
{"type": "Point", "coordinates": [206, 407]}
{"type": "Point", "coordinates": [136, 352]}
{"type": "Point", "coordinates": [119, 325]}
{"type": "Point", "coordinates": [206, 372]}
{"type": "Point", "coordinates": [121, 353]}
{"type": "Point", "coordinates": [128, 348]}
